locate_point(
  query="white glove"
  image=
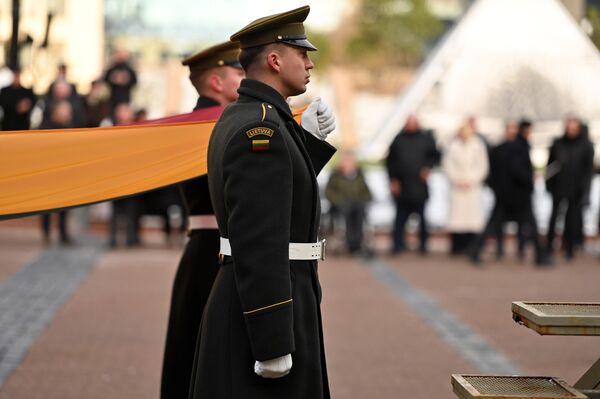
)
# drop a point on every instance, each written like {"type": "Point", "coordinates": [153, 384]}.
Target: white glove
{"type": "Point", "coordinates": [318, 119]}
{"type": "Point", "coordinates": [274, 368]}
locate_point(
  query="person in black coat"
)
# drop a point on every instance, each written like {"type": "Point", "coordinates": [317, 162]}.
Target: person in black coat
{"type": "Point", "coordinates": [411, 156]}
{"type": "Point", "coordinates": [121, 78]}
{"type": "Point", "coordinates": [125, 211]}
{"type": "Point", "coordinates": [96, 104]}
{"type": "Point", "coordinates": [17, 103]}
{"type": "Point", "coordinates": [61, 117]}
{"type": "Point", "coordinates": [497, 167]}
{"type": "Point", "coordinates": [261, 335]}
{"type": "Point", "coordinates": [514, 184]}
{"type": "Point", "coordinates": [63, 91]}
{"type": "Point", "coordinates": [216, 74]}
{"type": "Point", "coordinates": [61, 77]}
{"type": "Point", "coordinates": [569, 177]}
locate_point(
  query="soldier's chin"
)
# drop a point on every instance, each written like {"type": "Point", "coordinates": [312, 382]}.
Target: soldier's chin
{"type": "Point", "coordinates": [299, 90]}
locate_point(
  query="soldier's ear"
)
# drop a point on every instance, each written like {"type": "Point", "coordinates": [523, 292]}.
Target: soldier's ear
{"type": "Point", "coordinates": [215, 83]}
{"type": "Point", "coordinates": [274, 60]}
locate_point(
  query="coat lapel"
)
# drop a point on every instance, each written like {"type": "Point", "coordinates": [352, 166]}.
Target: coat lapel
{"type": "Point", "coordinates": [298, 135]}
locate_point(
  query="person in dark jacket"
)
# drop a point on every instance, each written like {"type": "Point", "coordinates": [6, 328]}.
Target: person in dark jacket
{"type": "Point", "coordinates": [497, 166]}
{"type": "Point", "coordinates": [96, 104]}
{"type": "Point", "coordinates": [159, 202]}
{"type": "Point", "coordinates": [17, 103]}
{"type": "Point", "coordinates": [61, 117]}
{"type": "Point", "coordinates": [125, 211]}
{"type": "Point", "coordinates": [216, 74]}
{"type": "Point", "coordinates": [63, 91]}
{"type": "Point", "coordinates": [514, 184]}
{"type": "Point", "coordinates": [347, 190]}
{"type": "Point", "coordinates": [261, 334]}
{"type": "Point", "coordinates": [411, 156]}
{"type": "Point", "coordinates": [568, 180]}
{"type": "Point", "coordinates": [121, 78]}
{"type": "Point", "coordinates": [61, 77]}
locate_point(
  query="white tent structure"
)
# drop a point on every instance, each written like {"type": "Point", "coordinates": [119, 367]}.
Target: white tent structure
{"type": "Point", "coordinates": [505, 59]}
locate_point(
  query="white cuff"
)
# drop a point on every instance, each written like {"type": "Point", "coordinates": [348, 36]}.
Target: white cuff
{"type": "Point", "coordinates": [274, 368]}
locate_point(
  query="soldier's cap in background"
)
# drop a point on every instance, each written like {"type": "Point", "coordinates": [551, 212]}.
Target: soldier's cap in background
{"type": "Point", "coordinates": [223, 54]}
{"type": "Point", "coordinates": [285, 27]}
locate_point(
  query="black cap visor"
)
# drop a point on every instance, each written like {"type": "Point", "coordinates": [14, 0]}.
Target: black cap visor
{"type": "Point", "coordinates": [303, 43]}
{"type": "Point", "coordinates": [233, 64]}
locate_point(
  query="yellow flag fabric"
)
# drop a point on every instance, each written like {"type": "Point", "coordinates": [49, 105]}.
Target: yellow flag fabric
{"type": "Point", "coordinates": [44, 170]}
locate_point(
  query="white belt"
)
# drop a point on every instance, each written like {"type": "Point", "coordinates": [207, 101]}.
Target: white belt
{"type": "Point", "coordinates": [202, 222]}
{"type": "Point", "coordinates": [298, 251]}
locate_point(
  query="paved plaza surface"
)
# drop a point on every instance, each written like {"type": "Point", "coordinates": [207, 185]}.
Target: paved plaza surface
{"type": "Point", "coordinates": [83, 321]}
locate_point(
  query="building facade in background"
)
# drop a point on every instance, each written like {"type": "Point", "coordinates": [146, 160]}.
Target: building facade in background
{"type": "Point", "coordinates": [54, 32]}
{"type": "Point", "coordinates": [157, 49]}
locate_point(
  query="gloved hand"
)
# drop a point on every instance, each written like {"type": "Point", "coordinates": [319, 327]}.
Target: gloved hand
{"type": "Point", "coordinates": [274, 368]}
{"type": "Point", "coordinates": [318, 119]}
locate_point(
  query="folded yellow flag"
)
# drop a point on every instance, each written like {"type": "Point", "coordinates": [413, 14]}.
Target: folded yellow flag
{"type": "Point", "coordinates": [44, 170]}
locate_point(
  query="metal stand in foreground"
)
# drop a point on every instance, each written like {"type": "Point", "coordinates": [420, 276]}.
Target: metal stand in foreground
{"type": "Point", "coordinates": [565, 318]}
{"type": "Point", "coordinates": [512, 387]}
{"type": "Point", "coordinates": [589, 383]}
{"type": "Point", "coordinates": [546, 318]}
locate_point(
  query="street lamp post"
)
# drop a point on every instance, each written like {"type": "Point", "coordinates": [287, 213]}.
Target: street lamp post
{"type": "Point", "coordinates": [14, 40]}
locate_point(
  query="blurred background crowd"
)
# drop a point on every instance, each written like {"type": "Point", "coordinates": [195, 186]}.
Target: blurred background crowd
{"type": "Point", "coordinates": [461, 120]}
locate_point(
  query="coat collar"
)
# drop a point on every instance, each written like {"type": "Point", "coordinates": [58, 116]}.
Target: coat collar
{"type": "Point", "coordinates": [522, 140]}
{"type": "Point", "coordinates": [265, 93]}
{"type": "Point", "coordinates": [205, 102]}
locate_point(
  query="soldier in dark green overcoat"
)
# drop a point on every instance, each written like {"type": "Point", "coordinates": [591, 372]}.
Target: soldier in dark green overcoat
{"type": "Point", "coordinates": [262, 335]}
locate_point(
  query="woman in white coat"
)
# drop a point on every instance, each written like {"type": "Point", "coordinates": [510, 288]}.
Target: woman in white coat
{"type": "Point", "coordinates": [466, 165]}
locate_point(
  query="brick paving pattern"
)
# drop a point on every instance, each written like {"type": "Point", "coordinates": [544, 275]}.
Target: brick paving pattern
{"type": "Point", "coordinates": [30, 297]}
{"type": "Point", "coordinates": [386, 324]}
{"type": "Point", "coordinates": [473, 347]}
{"type": "Point", "coordinates": [107, 341]}
{"type": "Point", "coordinates": [376, 346]}
{"type": "Point", "coordinates": [481, 297]}
{"type": "Point", "coordinates": [18, 246]}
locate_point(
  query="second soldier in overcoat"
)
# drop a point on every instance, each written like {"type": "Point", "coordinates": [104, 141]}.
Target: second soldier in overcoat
{"type": "Point", "coordinates": [216, 74]}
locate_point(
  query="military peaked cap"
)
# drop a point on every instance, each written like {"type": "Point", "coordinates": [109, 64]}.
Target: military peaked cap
{"type": "Point", "coordinates": [285, 27]}
{"type": "Point", "coordinates": [223, 54]}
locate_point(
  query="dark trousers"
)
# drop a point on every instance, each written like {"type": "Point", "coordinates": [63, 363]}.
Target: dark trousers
{"type": "Point", "coordinates": [403, 211]}
{"type": "Point", "coordinates": [461, 242]}
{"type": "Point", "coordinates": [333, 214]}
{"type": "Point", "coordinates": [573, 229]}
{"type": "Point", "coordinates": [62, 225]}
{"type": "Point", "coordinates": [521, 240]}
{"type": "Point", "coordinates": [354, 216]}
{"type": "Point", "coordinates": [126, 210]}
{"type": "Point", "coordinates": [522, 215]}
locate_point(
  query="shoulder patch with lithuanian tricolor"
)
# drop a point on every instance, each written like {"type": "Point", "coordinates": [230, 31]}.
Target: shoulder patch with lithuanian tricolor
{"type": "Point", "coordinates": [261, 145]}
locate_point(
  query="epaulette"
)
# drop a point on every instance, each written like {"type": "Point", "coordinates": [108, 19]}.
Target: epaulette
{"type": "Point", "coordinates": [262, 130]}
{"type": "Point", "coordinates": [269, 114]}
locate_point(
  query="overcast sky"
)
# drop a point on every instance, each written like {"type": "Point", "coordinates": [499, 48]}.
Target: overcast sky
{"type": "Point", "coordinates": [217, 19]}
